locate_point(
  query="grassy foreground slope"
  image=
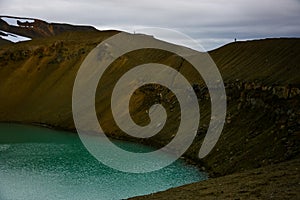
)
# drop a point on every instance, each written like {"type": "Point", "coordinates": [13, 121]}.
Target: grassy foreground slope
{"type": "Point", "coordinates": [280, 181]}
{"type": "Point", "coordinates": [262, 85]}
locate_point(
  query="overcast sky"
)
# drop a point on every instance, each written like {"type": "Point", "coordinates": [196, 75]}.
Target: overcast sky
{"type": "Point", "coordinates": [210, 22]}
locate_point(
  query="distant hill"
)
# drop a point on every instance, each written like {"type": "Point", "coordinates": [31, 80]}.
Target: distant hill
{"type": "Point", "coordinates": [36, 28]}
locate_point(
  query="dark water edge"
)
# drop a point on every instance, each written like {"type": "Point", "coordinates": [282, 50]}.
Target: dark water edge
{"type": "Point", "coordinates": [59, 159]}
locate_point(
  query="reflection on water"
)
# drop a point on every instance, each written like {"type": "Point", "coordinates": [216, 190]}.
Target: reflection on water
{"type": "Point", "coordinates": [55, 165]}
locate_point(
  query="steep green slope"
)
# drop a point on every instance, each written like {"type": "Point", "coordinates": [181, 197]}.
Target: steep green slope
{"type": "Point", "coordinates": [270, 60]}
{"type": "Point", "coordinates": [37, 77]}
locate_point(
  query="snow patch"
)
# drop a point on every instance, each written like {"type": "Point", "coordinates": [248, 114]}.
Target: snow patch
{"type": "Point", "coordinates": [13, 21]}
{"type": "Point", "coordinates": [13, 37]}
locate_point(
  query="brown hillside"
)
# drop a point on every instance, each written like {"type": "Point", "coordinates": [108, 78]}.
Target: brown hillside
{"type": "Point", "coordinates": [273, 61]}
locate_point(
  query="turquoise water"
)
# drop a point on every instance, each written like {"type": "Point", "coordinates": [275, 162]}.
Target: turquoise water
{"type": "Point", "coordinates": [40, 163]}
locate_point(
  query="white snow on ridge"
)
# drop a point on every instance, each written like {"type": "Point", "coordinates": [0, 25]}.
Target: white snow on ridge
{"type": "Point", "coordinates": [13, 21]}
{"type": "Point", "coordinates": [14, 37]}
